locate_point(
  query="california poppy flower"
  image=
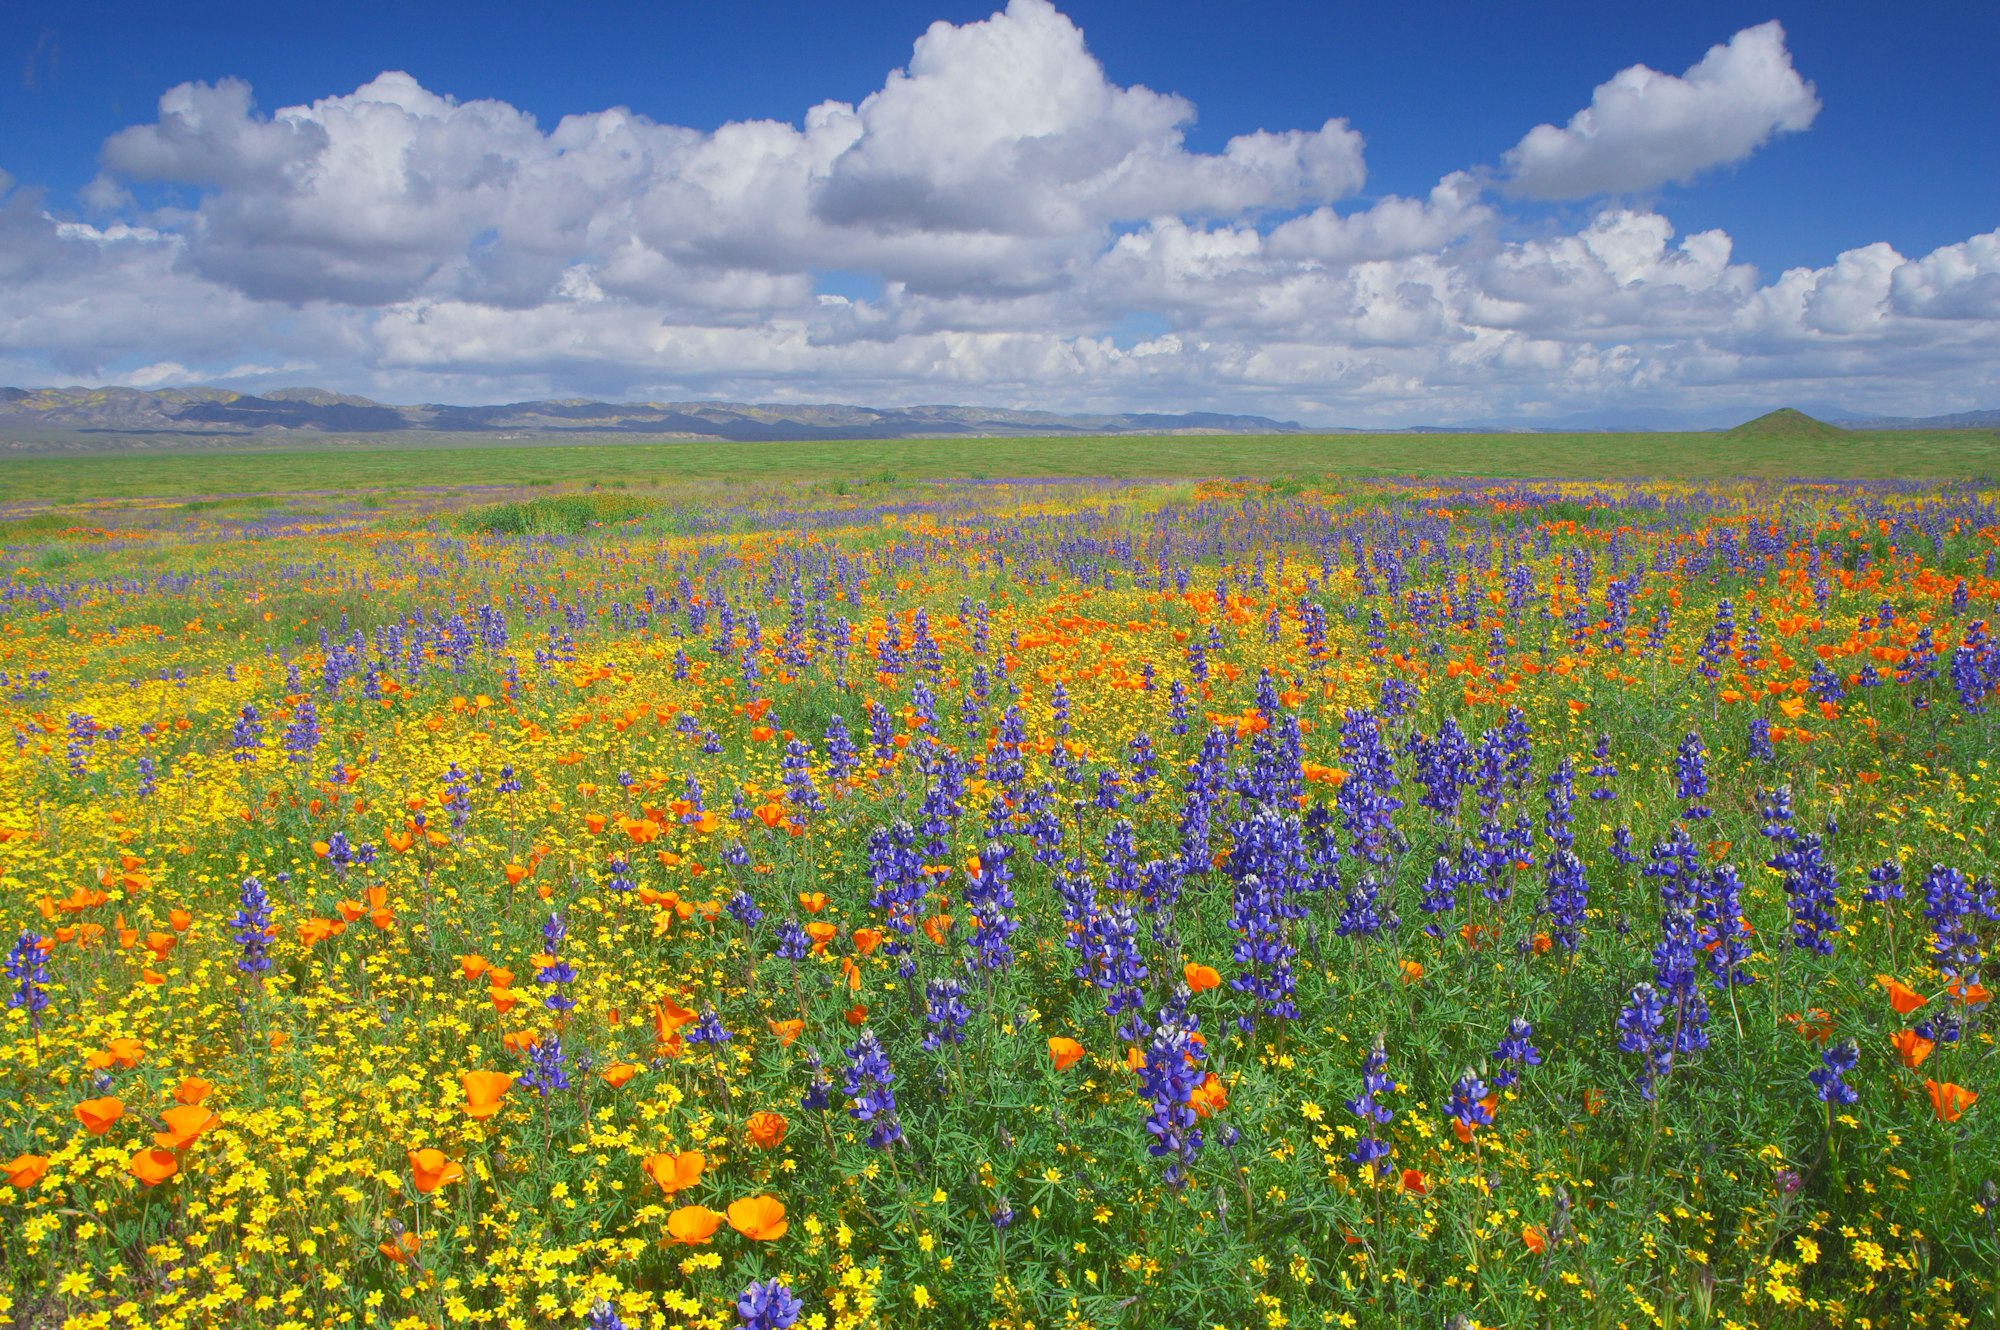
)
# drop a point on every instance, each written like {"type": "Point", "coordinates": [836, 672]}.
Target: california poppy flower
{"type": "Point", "coordinates": [1200, 978]}
{"type": "Point", "coordinates": [402, 1249]}
{"type": "Point", "coordinates": [1210, 1097]}
{"type": "Point", "coordinates": [693, 1224]}
{"type": "Point", "coordinates": [668, 1017]}
{"type": "Point", "coordinates": [758, 1218]}
{"type": "Point", "coordinates": [1902, 997]}
{"type": "Point", "coordinates": [1912, 1047]}
{"type": "Point", "coordinates": [1415, 1183]}
{"type": "Point", "coordinates": [786, 1031]}
{"type": "Point", "coordinates": [1969, 994]}
{"type": "Point", "coordinates": [1411, 971]}
{"type": "Point", "coordinates": [483, 1092]}
{"type": "Point", "coordinates": [152, 1167]}
{"type": "Point", "coordinates": [1949, 1101]}
{"type": "Point", "coordinates": [1064, 1052]}
{"type": "Point", "coordinates": [98, 1115]}
{"type": "Point", "coordinates": [24, 1171]}
{"type": "Point", "coordinates": [766, 1130]}
{"type": "Point", "coordinates": [1535, 1238]}
{"type": "Point", "coordinates": [675, 1172]}
{"type": "Point", "coordinates": [126, 1052]}
{"type": "Point", "coordinates": [867, 939]}
{"type": "Point", "coordinates": [618, 1073]}
{"type": "Point", "coordinates": [185, 1123]}
{"type": "Point", "coordinates": [429, 1170]}
{"type": "Point", "coordinates": [857, 1014]}
{"type": "Point", "coordinates": [471, 965]}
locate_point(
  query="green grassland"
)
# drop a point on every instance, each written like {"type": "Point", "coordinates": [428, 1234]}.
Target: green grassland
{"type": "Point", "coordinates": [408, 463]}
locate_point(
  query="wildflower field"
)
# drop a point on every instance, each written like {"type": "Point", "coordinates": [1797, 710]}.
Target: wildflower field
{"type": "Point", "coordinates": [1367, 903]}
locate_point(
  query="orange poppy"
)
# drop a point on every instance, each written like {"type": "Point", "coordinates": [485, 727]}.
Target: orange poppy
{"type": "Point", "coordinates": [402, 1250]}
{"type": "Point", "coordinates": [1949, 1101]}
{"type": "Point", "coordinates": [126, 1052]}
{"type": "Point", "coordinates": [693, 1224]}
{"type": "Point", "coordinates": [154, 1166]}
{"type": "Point", "coordinates": [675, 1172]}
{"type": "Point", "coordinates": [1415, 1182]}
{"type": "Point", "coordinates": [766, 1130]}
{"type": "Point", "coordinates": [618, 1073]}
{"type": "Point", "coordinates": [758, 1218]}
{"type": "Point", "coordinates": [857, 1014]}
{"type": "Point", "coordinates": [1969, 994]}
{"type": "Point", "coordinates": [786, 1031]}
{"type": "Point", "coordinates": [867, 939]}
{"type": "Point", "coordinates": [1535, 1238]}
{"type": "Point", "coordinates": [185, 1123]}
{"type": "Point", "coordinates": [98, 1115]}
{"type": "Point", "coordinates": [24, 1171]}
{"type": "Point", "coordinates": [1064, 1051]}
{"type": "Point", "coordinates": [1211, 1096]}
{"type": "Point", "coordinates": [429, 1169]}
{"type": "Point", "coordinates": [668, 1017]}
{"type": "Point", "coordinates": [484, 1091]}
{"type": "Point", "coordinates": [1411, 971]}
{"type": "Point", "coordinates": [1200, 978]}
{"type": "Point", "coordinates": [812, 902]}
{"type": "Point", "coordinates": [471, 965]}
{"type": "Point", "coordinates": [1912, 1047]}
{"type": "Point", "coordinates": [1901, 996]}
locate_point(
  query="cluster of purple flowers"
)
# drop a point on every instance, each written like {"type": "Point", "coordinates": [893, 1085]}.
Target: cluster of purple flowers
{"type": "Point", "coordinates": [1168, 1078]}
{"type": "Point", "coordinates": [868, 1083]}
{"type": "Point", "coordinates": [1371, 1151]}
{"type": "Point", "coordinates": [251, 927]}
{"type": "Point", "coordinates": [555, 973]}
{"type": "Point", "coordinates": [27, 966]}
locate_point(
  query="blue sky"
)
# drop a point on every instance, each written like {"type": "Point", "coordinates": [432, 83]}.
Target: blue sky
{"type": "Point", "coordinates": [1851, 131]}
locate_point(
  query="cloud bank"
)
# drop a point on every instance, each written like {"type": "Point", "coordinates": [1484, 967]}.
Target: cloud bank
{"type": "Point", "coordinates": [1028, 233]}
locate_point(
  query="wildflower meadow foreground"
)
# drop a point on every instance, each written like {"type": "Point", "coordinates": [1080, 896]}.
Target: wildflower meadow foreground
{"type": "Point", "coordinates": [1391, 904]}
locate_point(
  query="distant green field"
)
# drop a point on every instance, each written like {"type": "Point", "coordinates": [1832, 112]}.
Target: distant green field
{"type": "Point", "coordinates": [458, 462]}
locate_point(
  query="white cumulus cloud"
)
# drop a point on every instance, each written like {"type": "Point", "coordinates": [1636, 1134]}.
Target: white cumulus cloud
{"type": "Point", "coordinates": [1644, 128]}
{"type": "Point", "coordinates": [1025, 230]}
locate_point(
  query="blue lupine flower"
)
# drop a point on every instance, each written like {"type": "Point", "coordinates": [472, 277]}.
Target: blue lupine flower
{"type": "Point", "coordinates": [1639, 1024]}
{"type": "Point", "coordinates": [246, 736]}
{"type": "Point", "coordinates": [1467, 1105]}
{"type": "Point", "coordinates": [557, 973]}
{"type": "Point", "coordinates": [819, 1089]}
{"type": "Point", "coordinates": [945, 1012]}
{"type": "Point", "coordinates": [1835, 1063]}
{"type": "Point", "coordinates": [869, 1078]}
{"type": "Point", "coordinates": [27, 966]}
{"type": "Point", "coordinates": [709, 1029]}
{"type": "Point", "coordinates": [1168, 1078]}
{"type": "Point", "coordinates": [604, 1317]}
{"type": "Point", "coordinates": [250, 926]}
{"type": "Point", "coordinates": [547, 1066]}
{"type": "Point", "coordinates": [1516, 1049]}
{"type": "Point", "coordinates": [744, 910]}
{"type": "Point", "coordinates": [1691, 776]}
{"type": "Point", "coordinates": [1371, 1150]}
{"type": "Point", "coordinates": [767, 1305]}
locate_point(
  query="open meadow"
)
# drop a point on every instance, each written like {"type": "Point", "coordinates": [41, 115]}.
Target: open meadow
{"type": "Point", "coordinates": [1002, 884]}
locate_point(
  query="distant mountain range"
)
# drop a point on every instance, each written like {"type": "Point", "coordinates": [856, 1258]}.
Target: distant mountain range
{"type": "Point", "coordinates": [1959, 420]}
{"type": "Point", "coordinates": [104, 419]}
{"type": "Point", "coordinates": [219, 413]}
